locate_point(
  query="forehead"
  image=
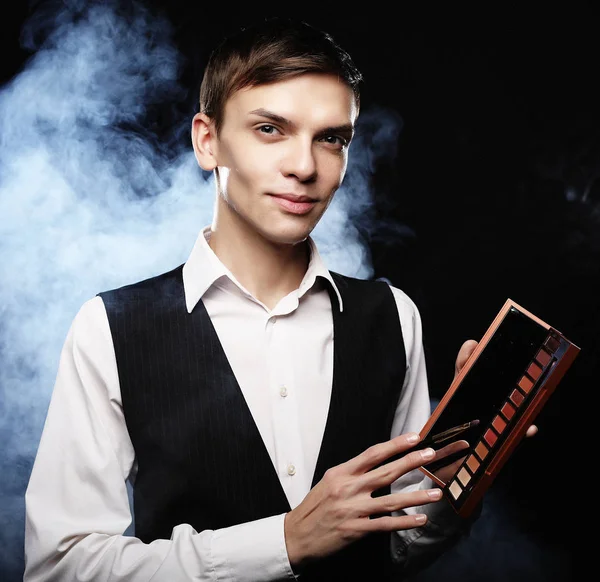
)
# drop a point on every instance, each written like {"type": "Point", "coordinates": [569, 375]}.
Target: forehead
{"type": "Point", "coordinates": [311, 99]}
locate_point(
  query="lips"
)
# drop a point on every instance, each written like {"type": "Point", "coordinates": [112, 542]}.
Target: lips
{"type": "Point", "coordinates": [293, 204]}
{"type": "Point", "coordinates": [294, 197]}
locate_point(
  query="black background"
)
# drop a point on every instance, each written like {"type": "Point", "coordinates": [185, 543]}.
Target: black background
{"type": "Point", "coordinates": [500, 112]}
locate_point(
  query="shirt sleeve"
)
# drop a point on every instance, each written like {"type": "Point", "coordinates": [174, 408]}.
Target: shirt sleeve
{"type": "Point", "coordinates": [414, 547]}
{"type": "Point", "coordinates": [77, 504]}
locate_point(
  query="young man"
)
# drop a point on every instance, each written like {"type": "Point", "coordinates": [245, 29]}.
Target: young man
{"type": "Point", "coordinates": [249, 395]}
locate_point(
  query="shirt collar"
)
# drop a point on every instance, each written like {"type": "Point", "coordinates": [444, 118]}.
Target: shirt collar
{"type": "Point", "coordinates": [203, 268]}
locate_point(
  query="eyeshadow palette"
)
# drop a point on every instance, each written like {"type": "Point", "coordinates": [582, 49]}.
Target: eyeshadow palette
{"type": "Point", "coordinates": [492, 401]}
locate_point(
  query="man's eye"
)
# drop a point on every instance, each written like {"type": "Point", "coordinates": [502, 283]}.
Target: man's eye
{"type": "Point", "coordinates": [267, 129]}
{"type": "Point", "coordinates": [336, 140]}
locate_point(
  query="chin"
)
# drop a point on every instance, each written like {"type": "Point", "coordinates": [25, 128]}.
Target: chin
{"type": "Point", "coordinates": [286, 236]}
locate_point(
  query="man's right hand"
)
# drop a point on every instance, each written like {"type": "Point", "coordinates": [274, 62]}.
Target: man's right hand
{"type": "Point", "coordinates": [336, 510]}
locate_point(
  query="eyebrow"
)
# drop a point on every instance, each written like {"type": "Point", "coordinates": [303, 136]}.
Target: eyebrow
{"type": "Point", "coordinates": [345, 129]}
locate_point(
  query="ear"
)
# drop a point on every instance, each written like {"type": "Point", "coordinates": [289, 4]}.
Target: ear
{"type": "Point", "coordinates": [204, 141]}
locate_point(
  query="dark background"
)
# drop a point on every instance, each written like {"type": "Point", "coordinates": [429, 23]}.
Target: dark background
{"type": "Point", "coordinates": [497, 175]}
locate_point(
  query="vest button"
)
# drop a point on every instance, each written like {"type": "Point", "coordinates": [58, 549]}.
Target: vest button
{"type": "Point", "coordinates": [291, 470]}
{"type": "Point", "coordinates": [283, 392]}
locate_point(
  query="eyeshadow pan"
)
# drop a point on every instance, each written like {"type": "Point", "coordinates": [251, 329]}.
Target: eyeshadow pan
{"type": "Point", "coordinates": [481, 450]}
{"type": "Point", "coordinates": [534, 370]}
{"type": "Point", "coordinates": [517, 397]}
{"type": "Point", "coordinates": [525, 384]}
{"type": "Point", "coordinates": [463, 476]}
{"type": "Point", "coordinates": [473, 463]}
{"type": "Point", "coordinates": [490, 437]}
{"type": "Point", "coordinates": [551, 343]}
{"type": "Point", "coordinates": [455, 489]}
{"type": "Point", "coordinates": [543, 357]}
{"type": "Point", "coordinates": [507, 410]}
{"type": "Point", "coordinates": [499, 424]}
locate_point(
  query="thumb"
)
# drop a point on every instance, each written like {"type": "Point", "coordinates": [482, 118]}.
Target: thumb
{"type": "Point", "coordinates": [464, 354]}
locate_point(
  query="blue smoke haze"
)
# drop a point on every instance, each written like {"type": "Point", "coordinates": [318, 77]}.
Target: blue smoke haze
{"type": "Point", "coordinates": [91, 200]}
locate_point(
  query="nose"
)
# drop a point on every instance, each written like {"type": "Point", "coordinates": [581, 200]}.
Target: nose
{"type": "Point", "coordinates": [299, 160]}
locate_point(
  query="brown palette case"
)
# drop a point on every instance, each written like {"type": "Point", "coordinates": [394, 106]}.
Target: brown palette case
{"type": "Point", "coordinates": [493, 400]}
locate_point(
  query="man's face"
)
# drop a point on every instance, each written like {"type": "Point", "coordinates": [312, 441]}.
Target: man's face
{"type": "Point", "coordinates": [282, 153]}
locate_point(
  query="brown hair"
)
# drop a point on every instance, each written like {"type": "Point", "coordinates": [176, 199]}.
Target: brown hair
{"type": "Point", "coordinates": [271, 50]}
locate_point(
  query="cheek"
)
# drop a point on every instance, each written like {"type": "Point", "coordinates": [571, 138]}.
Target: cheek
{"type": "Point", "coordinates": [253, 168]}
{"type": "Point", "coordinates": [333, 170]}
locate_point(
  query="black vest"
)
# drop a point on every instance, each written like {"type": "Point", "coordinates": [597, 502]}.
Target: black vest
{"type": "Point", "coordinates": [201, 459]}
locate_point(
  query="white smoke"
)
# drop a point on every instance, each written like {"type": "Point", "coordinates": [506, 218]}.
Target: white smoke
{"type": "Point", "coordinates": [90, 200]}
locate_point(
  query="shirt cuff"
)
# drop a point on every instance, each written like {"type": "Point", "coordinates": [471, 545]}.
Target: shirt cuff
{"type": "Point", "coordinates": [252, 551]}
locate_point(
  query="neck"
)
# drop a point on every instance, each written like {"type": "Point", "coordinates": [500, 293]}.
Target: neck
{"type": "Point", "coordinates": [269, 271]}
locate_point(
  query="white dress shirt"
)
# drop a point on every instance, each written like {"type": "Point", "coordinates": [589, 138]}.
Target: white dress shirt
{"type": "Point", "coordinates": [77, 504]}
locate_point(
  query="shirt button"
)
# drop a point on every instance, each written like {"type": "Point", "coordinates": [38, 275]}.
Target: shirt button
{"type": "Point", "coordinates": [291, 470]}
{"type": "Point", "coordinates": [283, 392]}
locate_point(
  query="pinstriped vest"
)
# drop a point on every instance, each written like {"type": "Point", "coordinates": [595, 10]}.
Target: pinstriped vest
{"type": "Point", "coordinates": [201, 459]}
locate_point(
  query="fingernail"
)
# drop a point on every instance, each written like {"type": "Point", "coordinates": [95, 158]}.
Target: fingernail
{"type": "Point", "coordinates": [434, 493]}
{"type": "Point", "coordinates": [412, 437]}
{"type": "Point", "coordinates": [427, 453]}
{"type": "Point", "coordinates": [420, 518]}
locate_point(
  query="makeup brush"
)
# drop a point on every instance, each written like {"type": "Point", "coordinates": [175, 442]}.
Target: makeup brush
{"type": "Point", "coordinates": [447, 434]}
{"type": "Point", "coordinates": [433, 440]}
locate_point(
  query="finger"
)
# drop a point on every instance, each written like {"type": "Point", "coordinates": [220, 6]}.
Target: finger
{"type": "Point", "coordinates": [451, 449]}
{"type": "Point", "coordinates": [446, 472]}
{"type": "Point", "coordinates": [397, 501]}
{"type": "Point", "coordinates": [387, 473]}
{"type": "Point", "coordinates": [464, 354]}
{"type": "Point", "coordinates": [532, 431]}
{"type": "Point", "coordinates": [380, 452]}
{"type": "Point", "coordinates": [389, 523]}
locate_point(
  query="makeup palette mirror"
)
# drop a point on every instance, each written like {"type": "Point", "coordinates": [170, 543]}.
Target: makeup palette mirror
{"type": "Point", "coordinates": [492, 401]}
